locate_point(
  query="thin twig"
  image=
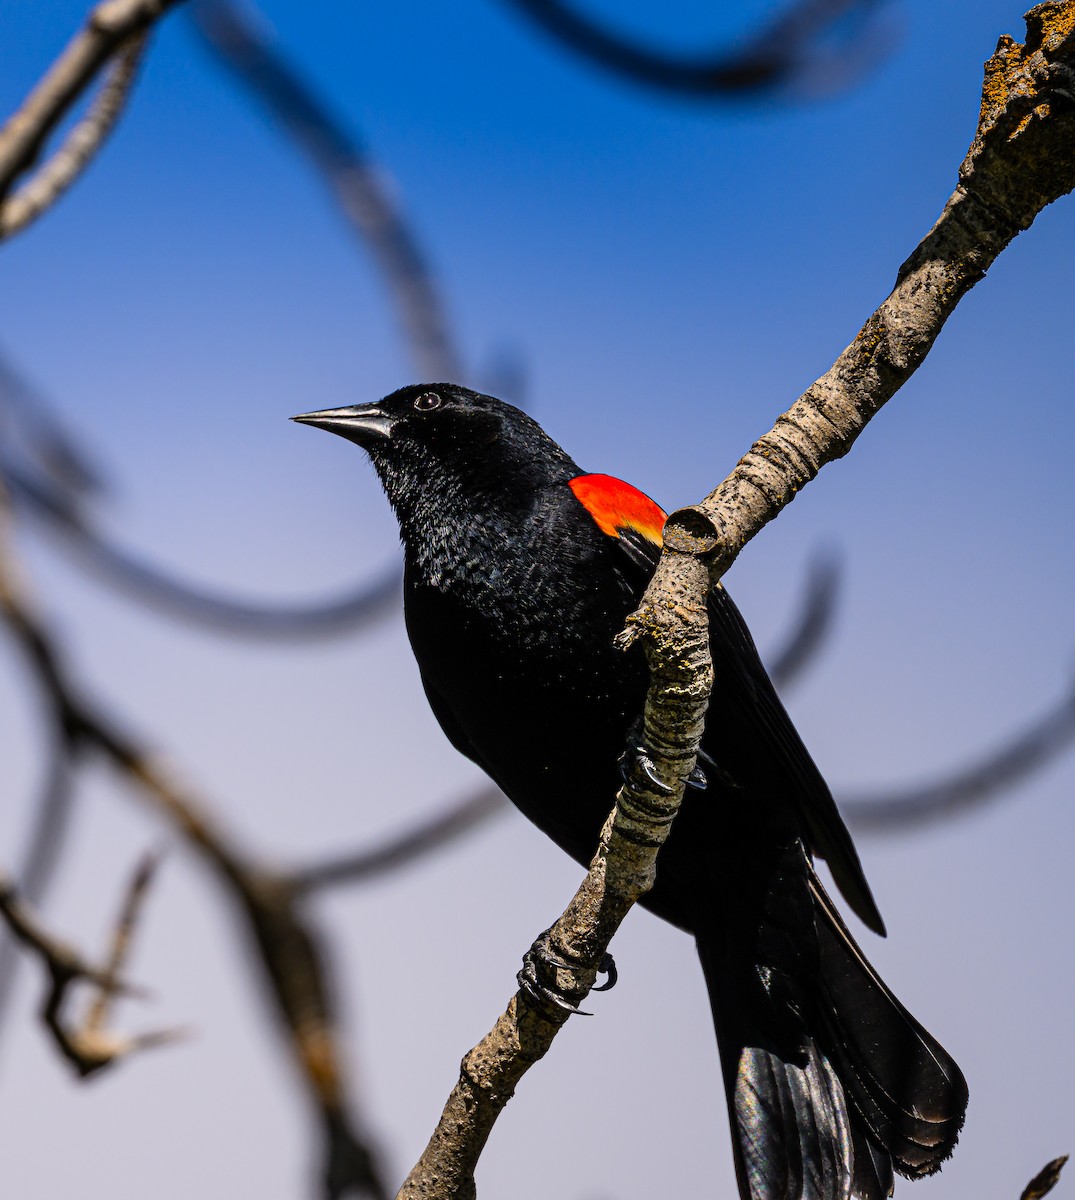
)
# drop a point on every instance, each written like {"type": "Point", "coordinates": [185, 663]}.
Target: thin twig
{"type": "Point", "coordinates": [50, 819]}
{"type": "Point", "coordinates": [971, 788]}
{"type": "Point", "coordinates": [30, 430]}
{"type": "Point", "coordinates": [771, 58]}
{"type": "Point", "coordinates": [88, 1047]}
{"type": "Point", "coordinates": [817, 610]}
{"type": "Point", "coordinates": [122, 935]}
{"type": "Point", "coordinates": [149, 584]}
{"type": "Point", "coordinates": [54, 177]}
{"type": "Point", "coordinates": [263, 71]}
{"type": "Point", "coordinates": [404, 848]}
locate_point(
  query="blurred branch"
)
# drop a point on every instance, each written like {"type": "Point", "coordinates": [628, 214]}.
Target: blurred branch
{"type": "Point", "coordinates": [350, 612]}
{"type": "Point", "coordinates": [247, 53]}
{"type": "Point", "coordinates": [404, 848]}
{"type": "Point", "coordinates": [49, 825]}
{"type": "Point", "coordinates": [50, 478]}
{"type": "Point", "coordinates": [54, 178]}
{"type": "Point", "coordinates": [30, 432]}
{"type": "Point", "coordinates": [1045, 1180]}
{"type": "Point", "coordinates": [771, 58]}
{"type": "Point", "coordinates": [814, 622]}
{"type": "Point", "coordinates": [88, 1047]}
{"type": "Point", "coordinates": [122, 936]}
{"type": "Point", "coordinates": [971, 788]}
{"type": "Point", "coordinates": [109, 27]}
{"type": "Point", "coordinates": [291, 954]}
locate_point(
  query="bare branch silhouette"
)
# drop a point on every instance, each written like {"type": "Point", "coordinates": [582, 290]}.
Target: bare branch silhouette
{"type": "Point", "coordinates": [52, 179]}
{"type": "Point", "coordinates": [290, 951]}
{"type": "Point", "coordinates": [772, 58]}
{"type": "Point", "coordinates": [178, 599]}
{"type": "Point", "coordinates": [405, 848]}
{"type": "Point", "coordinates": [88, 1046]}
{"type": "Point", "coordinates": [973, 787]}
{"type": "Point", "coordinates": [52, 480]}
{"type": "Point", "coordinates": [32, 435]}
{"type": "Point", "coordinates": [813, 623]}
{"type": "Point", "coordinates": [247, 53]}
{"type": "Point", "coordinates": [49, 824]}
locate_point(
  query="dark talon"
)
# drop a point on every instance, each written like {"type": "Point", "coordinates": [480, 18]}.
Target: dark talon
{"type": "Point", "coordinates": [538, 992]}
{"type": "Point", "coordinates": [635, 753]}
{"type": "Point", "coordinates": [540, 958]}
{"type": "Point", "coordinates": [645, 763]}
{"type": "Point", "coordinates": [607, 966]}
{"type": "Point", "coordinates": [697, 779]}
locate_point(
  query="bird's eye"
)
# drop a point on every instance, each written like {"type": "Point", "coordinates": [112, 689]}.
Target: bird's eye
{"type": "Point", "coordinates": [427, 401]}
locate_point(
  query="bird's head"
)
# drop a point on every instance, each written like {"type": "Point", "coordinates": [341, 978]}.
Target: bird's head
{"type": "Point", "coordinates": [431, 443]}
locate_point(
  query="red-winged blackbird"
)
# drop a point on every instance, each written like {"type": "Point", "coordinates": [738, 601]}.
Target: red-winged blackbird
{"type": "Point", "coordinates": [520, 570]}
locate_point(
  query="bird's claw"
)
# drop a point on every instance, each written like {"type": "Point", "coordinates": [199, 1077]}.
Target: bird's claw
{"type": "Point", "coordinates": [607, 966]}
{"type": "Point", "coordinates": [635, 754]}
{"type": "Point", "coordinates": [697, 779]}
{"type": "Point", "coordinates": [540, 958]}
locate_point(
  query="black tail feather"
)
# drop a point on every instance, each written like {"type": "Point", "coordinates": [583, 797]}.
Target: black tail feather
{"type": "Point", "coordinates": [873, 1170]}
{"type": "Point", "coordinates": [790, 1126]}
{"type": "Point", "coordinates": [832, 1085]}
{"type": "Point", "coordinates": [903, 1085]}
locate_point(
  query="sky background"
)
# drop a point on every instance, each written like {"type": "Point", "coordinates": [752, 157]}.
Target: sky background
{"type": "Point", "coordinates": [673, 274]}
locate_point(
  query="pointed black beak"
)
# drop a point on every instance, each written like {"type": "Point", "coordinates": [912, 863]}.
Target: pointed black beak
{"type": "Point", "coordinates": [364, 424]}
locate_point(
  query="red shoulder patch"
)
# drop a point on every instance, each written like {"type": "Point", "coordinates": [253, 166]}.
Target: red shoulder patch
{"type": "Point", "coordinates": [617, 506]}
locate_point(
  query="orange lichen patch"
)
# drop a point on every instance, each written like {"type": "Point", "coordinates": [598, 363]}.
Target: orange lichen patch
{"type": "Point", "coordinates": [1009, 72]}
{"type": "Point", "coordinates": [995, 86]}
{"type": "Point", "coordinates": [1049, 24]}
{"type": "Point", "coordinates": [617, 506]}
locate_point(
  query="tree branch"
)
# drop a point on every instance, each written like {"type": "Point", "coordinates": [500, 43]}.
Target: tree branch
{"type": "Point", "coordinates": [1022, 158]}
{"type": "Point", "coordinates": [971, 788]}
{"type": "Point", "coordinates": [47, 475]}
{"type": "Point", "coordinates": [343, 163]}
{"type": "Point", "coordinates": [88, 1047]}
{"type": "Point", "coordinates": [49, 824]}
{"type": "Point", "coordinates": [778, 52]}
{"type": "Point", "coordinates": [79, 147]}
{"type": "Point", "coordinates": [108, 28]}
{"type": "Point", "coordinates": [813, 624]}
{"type": "Point", "coordinates": [290, 951]}
{"type": "Point", "coordinates": [404, 848]}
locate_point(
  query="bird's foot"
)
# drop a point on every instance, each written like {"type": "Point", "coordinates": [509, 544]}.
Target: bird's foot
{"type": "Point", "coordinates": [635, 755]}
{"type": "Point", "coordinates": [537, 978]}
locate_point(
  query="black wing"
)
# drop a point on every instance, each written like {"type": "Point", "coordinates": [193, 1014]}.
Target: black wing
{"type": "Point", "coordinates": [751, 731]}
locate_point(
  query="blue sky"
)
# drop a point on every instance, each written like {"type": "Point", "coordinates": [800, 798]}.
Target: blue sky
{"type": "Point", "coordinates": [673, 274]}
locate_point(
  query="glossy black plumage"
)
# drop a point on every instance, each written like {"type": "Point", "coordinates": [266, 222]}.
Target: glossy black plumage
{"type": "Point", "coordinates": [513, 595]}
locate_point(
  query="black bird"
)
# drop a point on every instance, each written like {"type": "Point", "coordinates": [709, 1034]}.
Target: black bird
{"type": "Point", "coordinates": [519, 571]}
